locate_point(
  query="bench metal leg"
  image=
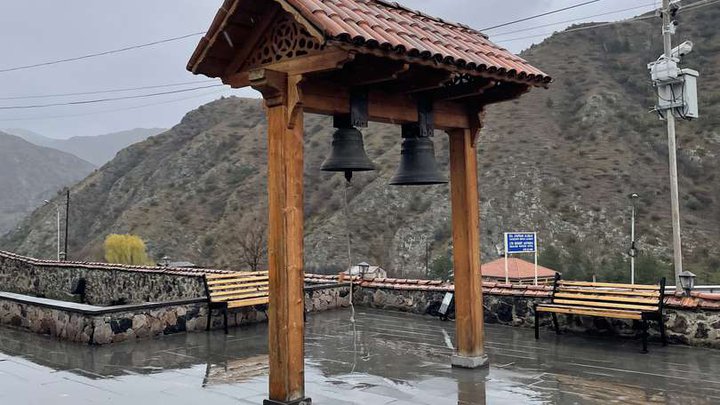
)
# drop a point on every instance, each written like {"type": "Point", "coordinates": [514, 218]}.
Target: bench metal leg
{"type": "Point", "coordinates": [209, 316]}
{"type": "Point", "coordinates": [644, 331]}
{"type": "Point", "coordinates": [225, 316]}
{"type": "Point", "coordinates": [556, 323]}
{"type": "Point", "coordinates": [537, 324]}
{"type": "Point", "coordinates": [662, 331]}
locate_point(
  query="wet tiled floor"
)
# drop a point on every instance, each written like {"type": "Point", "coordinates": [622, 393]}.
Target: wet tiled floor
{"type": "Point", "coordinates": [392, 358]}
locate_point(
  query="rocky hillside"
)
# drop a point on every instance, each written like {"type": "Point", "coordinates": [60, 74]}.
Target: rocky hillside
{"type": "Point", "coordinates": [97, 150]}
{"type": "Point", "coordinates": [560, 161]}
{"type": "Point", "coordinates": [30, 174]}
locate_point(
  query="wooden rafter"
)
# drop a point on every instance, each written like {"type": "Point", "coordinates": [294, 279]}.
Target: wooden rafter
{"type": "Point", "coordinates": [258, 30]}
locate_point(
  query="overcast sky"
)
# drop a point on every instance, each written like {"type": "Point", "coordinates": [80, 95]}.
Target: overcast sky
{"type": "Point", "coordinates": [36, 31]}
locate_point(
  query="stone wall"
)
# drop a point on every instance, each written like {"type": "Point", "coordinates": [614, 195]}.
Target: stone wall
{"type": "Point", "coordinates": [102, 325]}
{"type": "Point", "coordinates": [691, 320]}
{"type": "Point", "coordinates": [105, 284]}
{"type": "Point", "coordinates": [326, 297]}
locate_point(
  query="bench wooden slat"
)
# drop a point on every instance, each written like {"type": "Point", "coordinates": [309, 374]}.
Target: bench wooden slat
{"type": "Point", "coordinates": [610, 298]}
{"type": "Point", "coordinates": [237, 280]}
{"type": "Point", "coordinates": [221, 287]}
{"type": "Point", "coordinates": [249, 303]}
{"type": "Point", "coordinates": [606, 305]}
{"type": "Point", "coordinates": [238, 274]}
{"type": "Point", "coordinates": [608, 291]}
{"type": "Point", "coordinates": [568, 309]}
{"type": "Point", "coordinates": [615, 285]}
{"type": "Point", "coordinates": [237, 291]}
{"type": "Point", "coordinates": [240, 297]}
{"type": "Point", "coordinates": [235, 274]}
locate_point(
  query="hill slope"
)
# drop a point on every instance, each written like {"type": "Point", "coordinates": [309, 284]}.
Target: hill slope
{"type": "Point", "coordinates": [97, 150]}
{"type": "Point", "coordinates": [560, 161]}
{"type": "Point", "coordinates": [30, 174]}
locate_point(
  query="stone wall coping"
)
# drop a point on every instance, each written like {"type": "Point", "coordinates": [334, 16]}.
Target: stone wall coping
{"type": "Point", "coordinates": [696, 300]}
{"type": "Point", "coordinates": [179, 271]}
{"type": "Point", "coordinates": [93, 310]}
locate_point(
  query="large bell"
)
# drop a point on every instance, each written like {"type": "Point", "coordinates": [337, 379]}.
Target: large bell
{"type": "Point", "coordinates": [417, 164]}
{"type": "Point", "coordinates": [348, 153]}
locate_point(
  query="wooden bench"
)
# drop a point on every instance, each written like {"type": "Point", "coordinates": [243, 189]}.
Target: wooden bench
{"type": "Point", "coordinates": [235, 290]}
{"type": "Point", "coordinates": [639, 302]}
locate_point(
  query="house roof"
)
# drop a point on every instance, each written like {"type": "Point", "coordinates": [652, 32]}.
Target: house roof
{"type": "Point", "coordinates": [517, 269]}
{"type": "Point", "coordinates": [390, 27]}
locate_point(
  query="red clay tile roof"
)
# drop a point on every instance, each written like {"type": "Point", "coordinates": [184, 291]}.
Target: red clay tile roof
{"type": "Point", "coordinates": [517, 269]}
{"type": "Point", "coordinates": [377, 23]}
{"type": "Point", "coordinates": [389, 27]}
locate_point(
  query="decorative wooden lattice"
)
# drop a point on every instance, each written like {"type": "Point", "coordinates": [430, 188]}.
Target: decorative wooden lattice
{"type": "Point", "coordinates": [285, 39]}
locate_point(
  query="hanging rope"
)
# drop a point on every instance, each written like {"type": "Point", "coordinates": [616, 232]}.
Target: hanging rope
{"type": "Point", "coordinates": [348, 177]}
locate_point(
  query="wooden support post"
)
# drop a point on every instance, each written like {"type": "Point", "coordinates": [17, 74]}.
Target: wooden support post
{"type": "Point", "coordinates": [470, 351]}
{"type": "Point", "coordinates": [285, 239]}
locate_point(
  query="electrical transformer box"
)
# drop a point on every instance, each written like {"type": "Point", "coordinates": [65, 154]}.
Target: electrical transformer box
{"type": "Point", "coordinates": [680, 94]}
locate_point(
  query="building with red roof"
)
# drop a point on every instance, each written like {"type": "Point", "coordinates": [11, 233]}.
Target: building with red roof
{"type": "Point", "coordinates": [519, 271]}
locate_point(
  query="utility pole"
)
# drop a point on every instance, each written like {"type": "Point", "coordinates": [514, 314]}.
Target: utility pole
{"type": "Point", "coordinates": [668, 29]}
{"type": "Point", "coordinates": [677, 96]}
{"type": "Point", "coordinates": [67, 223]}
{"type": "Point", "coordinates": [633, 249]}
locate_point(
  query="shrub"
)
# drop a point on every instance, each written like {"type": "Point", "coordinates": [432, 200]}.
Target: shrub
{"type": "Point", "coordinates": [126, 249]}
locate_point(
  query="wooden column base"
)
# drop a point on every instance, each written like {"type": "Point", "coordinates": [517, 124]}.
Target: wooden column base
{"type": "Point", "coordinates": [469, 362]}
{"type": "Point", "coordinates": [304, 401]}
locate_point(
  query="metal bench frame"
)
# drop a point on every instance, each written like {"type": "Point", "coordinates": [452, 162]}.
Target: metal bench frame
{"type": "Point", "coordinates": [605, 306]}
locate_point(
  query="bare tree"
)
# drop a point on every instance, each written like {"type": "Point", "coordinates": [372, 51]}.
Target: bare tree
{"type": "Point", "coordinates": [253, 246]}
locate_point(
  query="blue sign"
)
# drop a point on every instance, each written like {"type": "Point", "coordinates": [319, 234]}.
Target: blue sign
{"type": "Point", "coordinates": [520, 242]}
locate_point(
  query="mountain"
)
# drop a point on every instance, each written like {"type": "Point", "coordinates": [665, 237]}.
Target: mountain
{"type": "Point", "coordinates": [30, 174]}
{"type": "Point", "coordinates": [560, 161]}
{"type": "Point", "coordinates": [97, 150]}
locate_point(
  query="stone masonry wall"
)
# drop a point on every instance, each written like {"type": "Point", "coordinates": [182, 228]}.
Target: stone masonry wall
{"type": "Point", "coordinates": [130, 322]}
{"type": "Point", "coordinates": [105, 285]}
{"type": "Point", "coordinates": [688, 320]}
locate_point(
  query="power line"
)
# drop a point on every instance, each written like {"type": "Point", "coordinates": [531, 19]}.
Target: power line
{"type": "Point", "coordinates": [571, 20]}
{"type": "Point", "coordinates": [158, 86]}
{"type": "Point", "coordinates": [540, 15]}
{"type": "Point", "coordinates": [93, 55]}
{"type": "Point", "coordinates": [37, 118]}
{"type": "Point", "coordinates": [102, 100]}
{"type": "Point", "coordinates": [691, 7]}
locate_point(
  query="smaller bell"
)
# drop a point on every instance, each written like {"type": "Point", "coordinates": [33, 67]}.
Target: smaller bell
{"type": "Point", "coordinates": [417, 161]}
{"type": "Point", "coordinates": [348, 152]}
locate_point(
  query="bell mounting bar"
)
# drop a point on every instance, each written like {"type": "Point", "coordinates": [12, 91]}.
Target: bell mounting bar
{"type": "Point", "coordinates": [426, 121]}
{"type": "Point", "coordinates": [359, 107]}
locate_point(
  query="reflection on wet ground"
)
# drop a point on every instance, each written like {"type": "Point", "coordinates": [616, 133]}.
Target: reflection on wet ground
{"type": "Point", "coordinates": [393, 358]}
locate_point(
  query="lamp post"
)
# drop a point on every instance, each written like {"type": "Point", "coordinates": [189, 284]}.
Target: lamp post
{"type": "Point", "coordinates": [687, 281]}
{"type": "Point", "coordinates": [633, 250]}
{"type": "Point", "coordinates": [57, 209]}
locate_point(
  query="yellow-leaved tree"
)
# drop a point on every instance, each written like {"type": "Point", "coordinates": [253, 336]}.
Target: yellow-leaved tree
{"type": "Point", "coordinates": [126, 249]}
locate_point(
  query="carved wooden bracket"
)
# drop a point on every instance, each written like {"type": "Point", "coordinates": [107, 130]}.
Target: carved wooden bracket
{"type": "Point", "coordinates": [294, 99]}
{"type": "Point", "coordinates": [278, 89]}
{"type": "Point", "coordinates": [273, 85]}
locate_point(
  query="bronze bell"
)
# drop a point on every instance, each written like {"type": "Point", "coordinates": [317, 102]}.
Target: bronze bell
{"type": "Point", "coordinates": [417, 161]}
{"type": "Point", "coordinates": [348, 152]}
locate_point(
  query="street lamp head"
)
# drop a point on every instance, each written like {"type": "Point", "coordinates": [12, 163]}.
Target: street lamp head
{"type": "Point", "coordinates": [687, 281]}
{"type": "Point", "coordinates": [634, 196]}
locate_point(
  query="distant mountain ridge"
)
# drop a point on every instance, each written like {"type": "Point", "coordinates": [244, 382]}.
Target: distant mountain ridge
{"type": "Point", "coordinates": [97, 150]}
{"type": "Point", "coordinates": [561, 162]}
{"type": "Point", "coordinates": [30, 174]}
